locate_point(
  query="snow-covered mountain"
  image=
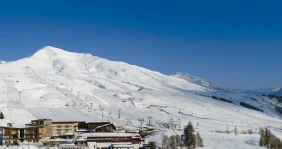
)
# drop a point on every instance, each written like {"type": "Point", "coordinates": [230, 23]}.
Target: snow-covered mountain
{"type": "Point", "coordinates": [195, 80]}
{"type": "Point", "coordinates": [202, 82]}
{"type": "Point", "coordinates": [265, 91]}
{"type": "Point", "coordinates": [276, 91]}
{"type": "Point", "coordinates": [61, 85]}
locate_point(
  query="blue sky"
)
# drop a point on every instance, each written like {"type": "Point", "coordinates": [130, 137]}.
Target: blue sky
{"type": "Point", "coordinates": [234, 43]}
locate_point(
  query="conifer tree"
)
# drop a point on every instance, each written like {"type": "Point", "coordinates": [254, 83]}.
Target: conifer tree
{"type": "Point", "coordinates": [188, 137]}
{"type": "Point", "coordinates": [261, 140]}
{"type": "Point", "coordinates": [267, 137]}
{"type": "Point", "coordinates": [269, 140]}
{"type": "Point", "coordinates": [1, 116]}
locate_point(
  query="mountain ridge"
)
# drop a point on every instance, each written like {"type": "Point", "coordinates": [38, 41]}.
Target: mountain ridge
{"type": "Point", "coordinates": [195, 79]}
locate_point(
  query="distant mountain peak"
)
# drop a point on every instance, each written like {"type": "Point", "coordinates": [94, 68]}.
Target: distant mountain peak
{"type": "Point", "coordinates": [48, 53]}
{"type": "Point", "coordinates": [276, 89]}
{"type": "Point", "coordinates": [49, 50]}
{"type": "Point", "coordinates": [194, 79]}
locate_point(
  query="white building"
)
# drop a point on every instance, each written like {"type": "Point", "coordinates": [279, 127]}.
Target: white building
{"type": "Point", "coordinates": [110, 140]}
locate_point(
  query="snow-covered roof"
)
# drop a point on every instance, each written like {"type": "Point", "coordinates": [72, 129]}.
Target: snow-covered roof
{"type": "Point", "coordinates": [115, 134]}
{"type": "Point", "coordinates": [59, 140]}
{"type": "Point", "coordinates": [103, 126]}
{"type": "Point", "coordinates": [123, 145]}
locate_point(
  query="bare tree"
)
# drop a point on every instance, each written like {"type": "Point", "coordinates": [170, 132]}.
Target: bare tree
{"type": "Point", "coordinates": [199, 140]}
{"type": "Point", "coordinates": [172, 142]}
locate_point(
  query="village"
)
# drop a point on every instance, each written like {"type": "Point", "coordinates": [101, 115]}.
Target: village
{"type": "Point", "coordinates": [74, 135]}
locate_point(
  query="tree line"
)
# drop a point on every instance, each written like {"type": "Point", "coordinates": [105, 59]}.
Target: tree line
{"type": "Point", "coordinates": [188, 139]}
{"type": "Point", "coordinates": [269, 140]}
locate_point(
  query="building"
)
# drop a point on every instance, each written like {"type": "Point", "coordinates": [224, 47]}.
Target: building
{"type": "Point", "coordinates": [64, 129]}
{"type": "Point", "coordinates": [147, 130]}
{"type": "Point", "coordinates": [105, 128]}
{"type": "Point", "coordinates": [10, 136]}
{"type": "Point", "coordinates": [57, 142]}
{"type": "Point", "coordinates": [41, 122]}
{"type": "Point", "coordinates": [33, 134]}
{"type": "Point", "coordinates": [110, 140]}
{"type": "Point", "coordinates": [93, 125]}
{"type": "Point", "coordinates": [72, 146]}
{"type": "Point", "coordinates": [82, 126]}
{"type": "Point", "coordinates": [38, 131]}
{"type": "Point", "coordinates": [101, 126]}
{"type": "Point", "coordinates": [91, 135]}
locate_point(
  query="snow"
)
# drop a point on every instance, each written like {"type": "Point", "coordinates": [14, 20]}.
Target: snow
{"type": "Point", "coordinates": [195, 80]}
{"type": "Point", "coordinates": [66, 86]}
{"type": "Point", "coordinates": [217, 140]}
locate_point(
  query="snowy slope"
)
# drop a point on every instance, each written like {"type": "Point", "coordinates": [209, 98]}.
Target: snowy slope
{"type": "Point", "coordinates": [265, 91]}
{"type": "Point", "coordinates": [195, 80]}
{"type": "Point", "coordinates": [60, 85]}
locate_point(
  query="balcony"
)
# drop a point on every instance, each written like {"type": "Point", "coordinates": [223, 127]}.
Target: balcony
{"type": "Point", "coordinates": [32, 133]}
{"type": "Point", "coordinates": [10, 138]}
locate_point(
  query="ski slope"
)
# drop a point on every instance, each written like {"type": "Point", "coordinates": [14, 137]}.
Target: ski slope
{"type": "Point", "coordinates": [61, 85]}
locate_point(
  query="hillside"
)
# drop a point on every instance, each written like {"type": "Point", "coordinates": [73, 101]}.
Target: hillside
{"type": "Point", "coordinates": [195, 80]}
{"type": "Point", "coordinates": [61, 85]}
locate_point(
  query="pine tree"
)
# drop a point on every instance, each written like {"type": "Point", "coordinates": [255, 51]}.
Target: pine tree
{"type": "Point", "coordinates": [272, 142]}
{"type": "Point", "coordinates": [267, 137]}
{"type": "Point", "coordinates": [1, 116]}
{"type": "Point", "coordinates": [269, 140]}
{"type": "Point", "coordinates": [199, 140]}
{"type": "Point", "coordinates": [261, 140]}
{"type": "Point", "coordinates": [188, 138]}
